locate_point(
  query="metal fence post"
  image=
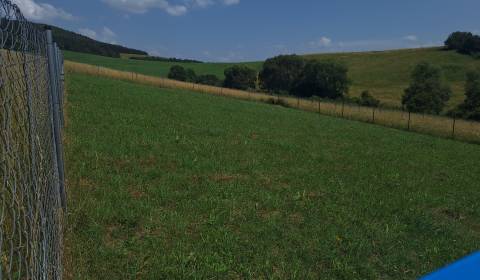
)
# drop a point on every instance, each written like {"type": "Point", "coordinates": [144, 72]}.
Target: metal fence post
{"type": "Point", "coordinates": [343, 107]}
{"type": "Point", "coordinates": [59, 80]}
{"type": "Point", "coordinates": [373, 115]}
{"type": "Point", "coordinates": [55, 107]}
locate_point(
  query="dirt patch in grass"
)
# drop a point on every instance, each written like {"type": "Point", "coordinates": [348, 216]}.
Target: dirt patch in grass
{"type": "Point", "coordinates": [136, 194]}
{"type": "Point", "coordinates": [149, 162]}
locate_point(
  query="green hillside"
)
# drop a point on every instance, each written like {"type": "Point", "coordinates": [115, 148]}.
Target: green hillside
{"type": "Point", "coordinates": [167, 184]}
{"type": "Point", "coordinates": [152, 68]}
{"type": "Point", "coordinates": [386, 74]}
{"type": "Point", "coordinates": [71, 41]}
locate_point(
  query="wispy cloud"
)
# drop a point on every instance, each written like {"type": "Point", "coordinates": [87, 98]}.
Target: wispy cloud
{"type": "Point", "coordinates": [105, 34]}
{"type": "Point", "coordinates": [42, 11]}
{"type": "Point", "coordinates": [321, 43]}
{"type": "Point", "coordinates": [169, 6]}
{"type": "Point", "coordinates": [412, 38]}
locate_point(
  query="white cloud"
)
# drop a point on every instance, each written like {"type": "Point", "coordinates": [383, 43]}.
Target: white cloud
{"type": "Point", "coordinates": [203, 3]}
{"type": "Point", "coordinates": [169, 6]}
{"type": "Point", "coordinates": [231, 2]}
{"type": "Point", "coordinates": [142, 6]}
{"type": "Point", "coordinates": [41, 11]}
{"type": "Point", "coordinates": [321, 43]}
{"type": "Point", "coordinates": [104, 35]}
{"type": "Point", "coordinates": [412, 38]}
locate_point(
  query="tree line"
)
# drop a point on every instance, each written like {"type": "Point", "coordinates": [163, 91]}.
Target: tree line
{"type": "Point", "coordinates": [464, 42]}
{"type": "Point", "coordinates": [72, 41]}
{"type": "Point", "coordinates": [165, 59]}
{"type": "Point", "coordinates": [286, 75]}
{"type": "Point", "coordinates": [296, 76]}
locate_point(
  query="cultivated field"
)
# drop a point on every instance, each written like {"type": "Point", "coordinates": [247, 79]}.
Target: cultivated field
{"type": "Point", "coordinates": [386, 74]}
{"type": "Point", "coordinates": [169, 184]}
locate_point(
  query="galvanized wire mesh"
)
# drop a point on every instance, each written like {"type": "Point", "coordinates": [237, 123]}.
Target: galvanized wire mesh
{"type": "Point", "coordinates": [31, 172]}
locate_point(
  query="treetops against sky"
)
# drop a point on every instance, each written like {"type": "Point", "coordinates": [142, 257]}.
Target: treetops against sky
{"type": "Point", "coordinates": [241, 30]}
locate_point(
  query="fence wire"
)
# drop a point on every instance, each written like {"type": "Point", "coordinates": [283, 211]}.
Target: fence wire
{"type": "Point", "coordinates": [31, 166]}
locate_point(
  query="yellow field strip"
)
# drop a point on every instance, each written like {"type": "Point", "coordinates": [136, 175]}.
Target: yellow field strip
{"type": "Point", "coordinates": [429, 124]}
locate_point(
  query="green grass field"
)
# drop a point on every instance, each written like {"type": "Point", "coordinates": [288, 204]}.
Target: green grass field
{"type": "Point", "coordinates": [385, 74]}
{"type": "Point", "coordinates": [167, 184]}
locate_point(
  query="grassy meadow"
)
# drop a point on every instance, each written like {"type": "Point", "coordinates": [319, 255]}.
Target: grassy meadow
{"type": "Point", "coordinates": [385, 74]}
{"type": "Point", "coordinates": [429, 124]}
{"type": "Point", "coordinates": [170, 184]}
{"type": "Point", "coordinates": [151, 68]}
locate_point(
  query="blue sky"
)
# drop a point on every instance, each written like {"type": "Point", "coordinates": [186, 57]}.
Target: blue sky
{"type": "Point", "coordinates": [243, 30]}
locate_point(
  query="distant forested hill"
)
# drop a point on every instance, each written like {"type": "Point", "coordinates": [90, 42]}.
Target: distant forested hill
{"type": "Point", "coordinates": [72, 41]}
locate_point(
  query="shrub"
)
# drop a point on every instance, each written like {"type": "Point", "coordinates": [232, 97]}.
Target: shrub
{"type": "Point", "coordinates": [240, 77]}
{"type": "Point", "coordinates": [426, 93]}
{"type": "Point", "coordinates": [277, 101]}
{"type": "Point", "coordinates": [366, 99]}
{"type": "Point", "coordinates": [280, 73]}
{"type": "Point", "coordinates": [324, 79]}
{"type": "Point", "coordinates": [178, 73]}
{"type": "Point", "coordinates": [470, 108]}
{"type": "Point", "coordinates": [208, 79]}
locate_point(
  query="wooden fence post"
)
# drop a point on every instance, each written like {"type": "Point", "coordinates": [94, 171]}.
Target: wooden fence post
{"type": "Point", "coordinates": [409, 120]}
{"type": "Point", "coordinates": [453, 126]}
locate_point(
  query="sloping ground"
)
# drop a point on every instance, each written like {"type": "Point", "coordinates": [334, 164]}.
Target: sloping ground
{"type": "Point", "coordinates": [385, 74]}
{"type": "Point", "coordinates": [429, 124]}
{"type": "Point", "coordinates": [168, 184]}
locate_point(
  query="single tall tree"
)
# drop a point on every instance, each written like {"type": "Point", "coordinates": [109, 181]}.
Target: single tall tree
{"type": "Point", "coordinates": [427, 93]}
{"type": "Point", "coordinates": [471, 106]}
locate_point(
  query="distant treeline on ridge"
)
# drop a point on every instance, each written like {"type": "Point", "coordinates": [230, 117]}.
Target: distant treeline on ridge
{"type": "Point", "coordinates": [165, 59]}
{"type": "Point", "coordinates": [72, 41]}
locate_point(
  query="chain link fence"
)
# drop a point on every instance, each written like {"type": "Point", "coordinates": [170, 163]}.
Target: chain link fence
{"type": "Point", "coordinates": [32, 192]}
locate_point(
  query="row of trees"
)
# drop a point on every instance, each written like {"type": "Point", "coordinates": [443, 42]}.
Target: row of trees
{"type": "Point", "coordinates": [293, 75]}
{"type": "Point", "coordinates": [464, 42]}
{"type": "Point", "coordinates": [428, 93]}
{"type": "Point", "coordinates": [236, 77]}
{"type": "Point", "coordinates": [287, 74]}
